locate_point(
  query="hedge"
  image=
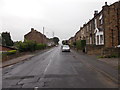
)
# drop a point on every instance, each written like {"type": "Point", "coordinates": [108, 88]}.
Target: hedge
{"type": "Point", "coordinates": [29, 46]}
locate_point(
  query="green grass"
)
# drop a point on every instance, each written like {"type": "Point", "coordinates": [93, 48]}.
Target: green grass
{"type": "Point", "coordinates": [109, 56]}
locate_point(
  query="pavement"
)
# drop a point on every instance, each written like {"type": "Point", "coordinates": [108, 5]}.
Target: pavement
{"type": "Point", "coordinates": [111, 61]}
{"type": "Point", "coordinates": [57, 69]}
{"type": "Point", "coordinates": [21, 58]}
{"type": "Point", "coordinates": [16, 60]}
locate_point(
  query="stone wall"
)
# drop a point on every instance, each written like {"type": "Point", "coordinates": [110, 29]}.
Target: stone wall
{"type": "Point", "coordinates": [111, 24]}
{"type": "Point", "coordinates": [101, 50]}
{"type": "Point", "coordinates": [110, 51]}
{"type": "Point", "coordinates": [93, 49]}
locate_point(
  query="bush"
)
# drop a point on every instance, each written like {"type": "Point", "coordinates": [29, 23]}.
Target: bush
{"type": "Point", "coordinates": [40, 46]}
{"type": "Point", "coordinates": [26, 46]}
{"type": "Point", "coordinates": [29, 46]}
{"type": "Point", "coordinates": [11, 52]}
{"type": "Point", "coordinates": [81, 44]}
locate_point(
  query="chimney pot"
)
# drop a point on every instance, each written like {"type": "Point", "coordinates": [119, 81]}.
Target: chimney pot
{"type": "Point", "coordinates": [105, 3]}
{"type": "Point", "coordinates": [95, 12]}
{"type": "Point", "coordinates": [32, 29]}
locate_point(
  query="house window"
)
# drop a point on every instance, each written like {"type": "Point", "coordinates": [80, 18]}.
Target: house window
{"type": "Point", "coordinates": [100, 20]}
{"type": "Point", "coordinates": [87, 40]}
{"type": "Point", "coordinates": [90, 40]}
{"type": "Point", "coordinates": [90, 26]}
{"type": "Point", "coordinates": [87, 28]}
{"type": "Point", "coordinates": [97, 39]}
{"type": "Point", "coordinates": [95, 23]}
{"type": "Point", "coordinates": [101, 39]}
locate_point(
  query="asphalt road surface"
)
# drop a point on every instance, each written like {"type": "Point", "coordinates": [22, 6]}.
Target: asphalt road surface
{"type": "Point", "coordinates": [57, 69]}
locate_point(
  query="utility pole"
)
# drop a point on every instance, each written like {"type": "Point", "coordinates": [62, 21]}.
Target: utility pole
{"type": "Point", "coordinates": [53, 34]}
{"type": "Point", "coordinates": [43, 34]}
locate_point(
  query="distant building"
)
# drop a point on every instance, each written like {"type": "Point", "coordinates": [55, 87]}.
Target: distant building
{"type": "Point", "coordinates": [36, 36]}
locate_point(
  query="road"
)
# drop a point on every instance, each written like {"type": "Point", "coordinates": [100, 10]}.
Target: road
{"type": "Point", "coordinates": [56, 69]}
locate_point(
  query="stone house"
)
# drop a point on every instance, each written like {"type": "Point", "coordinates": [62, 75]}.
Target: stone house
{"type": "Point", "coordinates": [98, 30]}
{"type": "Point", "coordinates": [71, 40]}
{"type": "Point", "coordinates": [111, 19]}
{"type": "Point", "coordinates": [103, 28]}
{"type": "Point", "coordinates": [36, 36]}
{"type": "Point", "coordinates": [77, 36]}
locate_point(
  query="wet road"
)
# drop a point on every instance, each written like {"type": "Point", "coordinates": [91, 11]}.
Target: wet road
{"type": "Point", "coordinates": [56, 69]}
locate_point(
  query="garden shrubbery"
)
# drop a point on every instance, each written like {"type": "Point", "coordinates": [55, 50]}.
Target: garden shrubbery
{"type": "Point", "coordinates": [40, 46]}
{"type": "Point", "coordinates": [29, 46]}
{"type": "Point", "coordinates": [80, 45]}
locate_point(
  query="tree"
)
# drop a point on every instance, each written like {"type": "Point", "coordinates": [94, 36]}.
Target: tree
{"type": "Point", "coordinates": [65, 42]}
{"type": "Point", "coordinates": [56, 40]}
{"type": "Point", "coordinates": [6, 39]}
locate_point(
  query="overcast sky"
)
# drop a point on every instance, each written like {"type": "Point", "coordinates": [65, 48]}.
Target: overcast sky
{"type": "Point", "coordinates": [63, 17]}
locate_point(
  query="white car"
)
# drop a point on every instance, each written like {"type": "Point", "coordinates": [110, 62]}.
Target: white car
{"type": "Point", "coordinates": [118, 46]}
{"type": "Point", "coordinates": [65, 48]}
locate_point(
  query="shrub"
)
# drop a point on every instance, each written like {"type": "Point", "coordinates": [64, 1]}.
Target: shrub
{"type": "Point", "coordinates": [26, 46]}
{"type": "Point", "coordinates": [81, 44]}
{"type": "Point", "coordinates": [29, 46]}
{"type": "Point", "coordinates": [40, 46]}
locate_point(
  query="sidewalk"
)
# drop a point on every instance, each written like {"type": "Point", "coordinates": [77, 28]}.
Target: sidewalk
{"type": "Point", "coordinates": [111, 61]}
{"type": "Point", "coordinates": [22, 58]}
{"type": "Point", "coordinates": [16, 60]}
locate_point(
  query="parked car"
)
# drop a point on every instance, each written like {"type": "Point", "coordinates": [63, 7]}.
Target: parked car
{"type": "Point", "coordinates": [118, 46]}
{"type": "Point", "coordinates": [65, 48]}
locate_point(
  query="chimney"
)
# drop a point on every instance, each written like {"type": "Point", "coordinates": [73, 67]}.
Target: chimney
{"type": "Point", "coordinates": [95, 12]}
{"type": "Point", "coordinates": [32, 29]}
{"type": "Point", "coordinates": [105, 3]}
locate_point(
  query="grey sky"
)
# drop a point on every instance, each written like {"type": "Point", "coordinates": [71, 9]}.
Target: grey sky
{"type": "Point", "coordinates": [64, 17]}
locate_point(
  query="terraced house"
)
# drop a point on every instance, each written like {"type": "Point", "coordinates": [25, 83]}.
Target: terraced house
{"type": "Point", "coordinates": [103, 28]}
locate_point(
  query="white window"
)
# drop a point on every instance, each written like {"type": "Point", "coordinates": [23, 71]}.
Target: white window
{"type": "Point", "coordinates": [101, 20]}
{"type": "Point", "coordinates": [95, 23]}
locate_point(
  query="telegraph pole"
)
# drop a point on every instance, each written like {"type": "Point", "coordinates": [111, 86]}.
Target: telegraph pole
{"type": "Point", "coordinates": [43, 34]}
{"type": "Point", "coordinates": [53, 34]}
